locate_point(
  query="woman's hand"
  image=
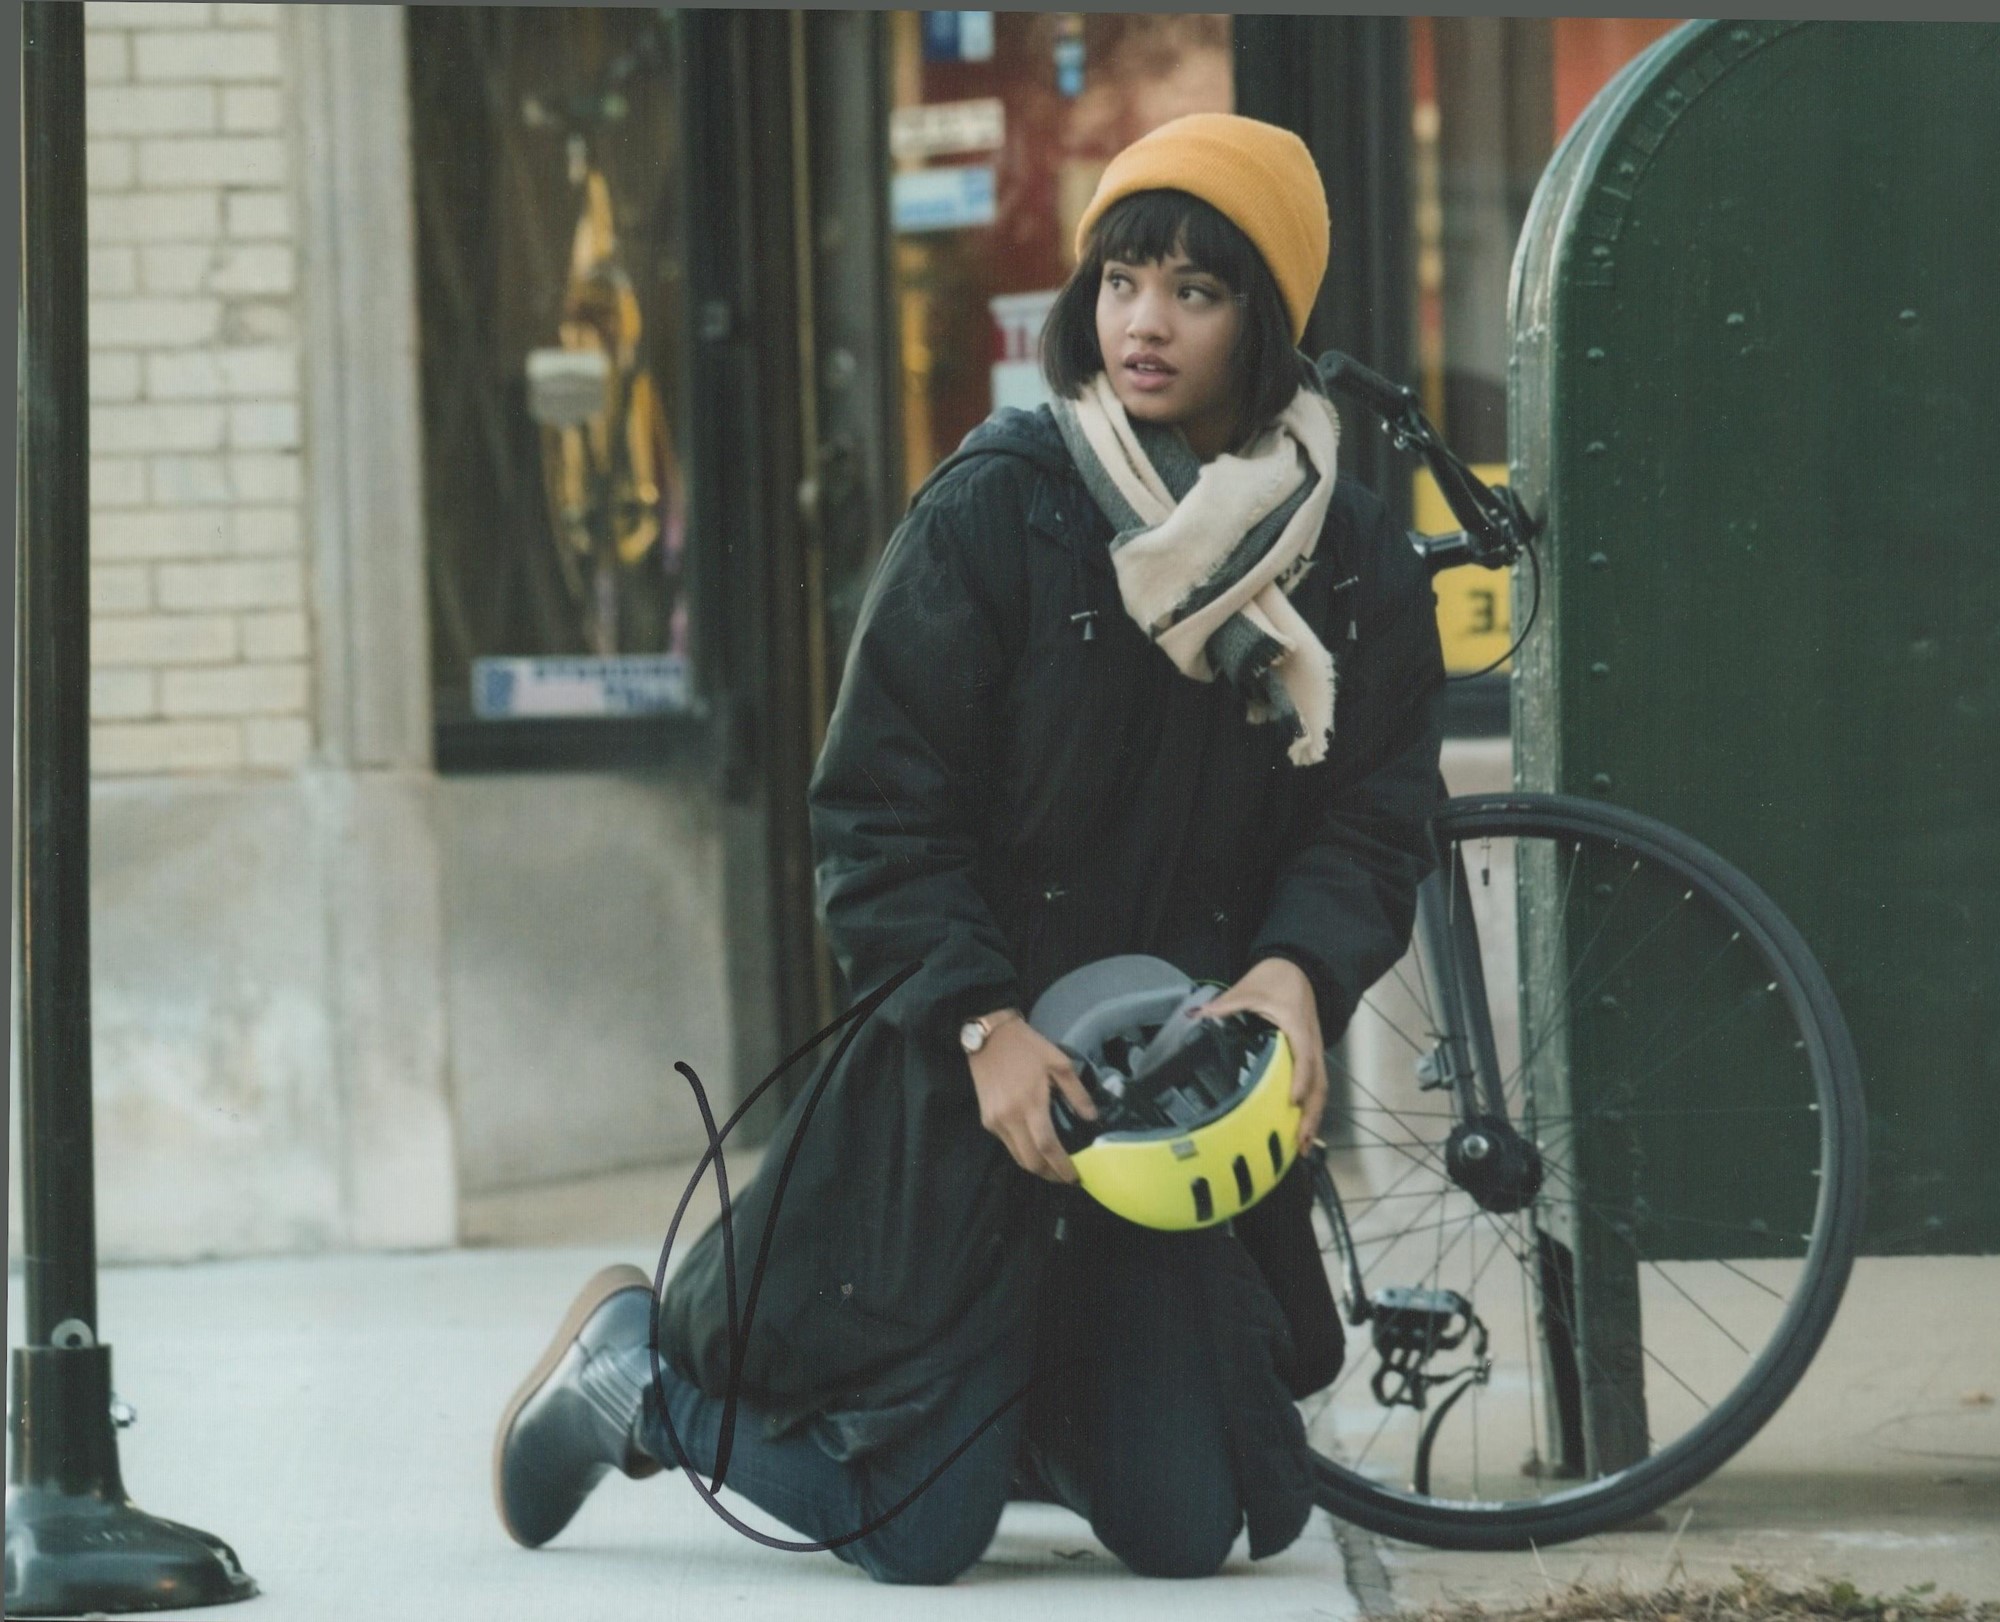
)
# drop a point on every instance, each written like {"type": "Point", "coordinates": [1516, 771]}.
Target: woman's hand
{"type": "Point", "coordinates": [1012, 1074]}
{"type": "Point", "coordinates": [1278, 989]}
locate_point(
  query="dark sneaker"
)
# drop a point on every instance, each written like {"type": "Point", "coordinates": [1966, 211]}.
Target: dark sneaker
{"type": "Point", "coordinates": [576, 1416]}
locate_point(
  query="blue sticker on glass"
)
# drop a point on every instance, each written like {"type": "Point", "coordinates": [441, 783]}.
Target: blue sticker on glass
{"type": "Point", "coordinates": [574, 685]}
{"type": "Point", "coordinates": [940, 36]}
{"type": "Point", "coordinates": [958, 36]}
{"type": "Point", "coordinates": [943, 199]}
{"type": "Point", "coordinates": [1069, 66]}
{"type": "Point", "coordinates": [493, 688]}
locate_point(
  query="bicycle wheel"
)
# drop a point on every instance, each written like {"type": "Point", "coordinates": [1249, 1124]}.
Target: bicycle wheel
{"type": "Point", "coordinates": [1579, 1309]}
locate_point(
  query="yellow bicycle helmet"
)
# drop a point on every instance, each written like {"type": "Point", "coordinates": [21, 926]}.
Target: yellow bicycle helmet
{"type": "Point", "coordinates": [1196, 1122]}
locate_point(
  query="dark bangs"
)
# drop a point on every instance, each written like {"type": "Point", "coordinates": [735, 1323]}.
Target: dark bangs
{"type": "Point", "coordinates": [1148, 227]}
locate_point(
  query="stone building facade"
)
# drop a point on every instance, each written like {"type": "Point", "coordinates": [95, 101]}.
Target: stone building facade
{"type": "Point", "coordinates": [335, 994]}
{"type": "Point", "coordinates": [269, 1044]}
{"type": "Point", "coordinates": [201, 641]}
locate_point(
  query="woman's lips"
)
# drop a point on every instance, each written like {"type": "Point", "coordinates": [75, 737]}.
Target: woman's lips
{"type": "Point", "coordinates": [1149, 379]}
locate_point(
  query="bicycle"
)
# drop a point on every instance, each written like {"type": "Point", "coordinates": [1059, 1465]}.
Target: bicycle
{"type": "Point", "coordinates": [1598, 1223]}
{"type": "Point", "coordinates": [611, 478]}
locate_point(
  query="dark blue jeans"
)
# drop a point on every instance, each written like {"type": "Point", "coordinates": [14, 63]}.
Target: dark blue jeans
{"type": "Point", "coordinates": [1126, 1429]}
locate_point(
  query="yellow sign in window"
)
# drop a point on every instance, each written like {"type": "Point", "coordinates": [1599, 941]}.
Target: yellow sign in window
{"type": "Point", "coordinates": [1474, 604]}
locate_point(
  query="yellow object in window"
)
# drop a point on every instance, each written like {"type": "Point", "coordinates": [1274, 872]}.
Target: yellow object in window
{"type": "Point", "coordinates": [1474, 604]}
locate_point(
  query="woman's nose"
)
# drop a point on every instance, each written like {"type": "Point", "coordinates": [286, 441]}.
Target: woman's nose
{"type": "Point", "coordinates": [1146, 319]}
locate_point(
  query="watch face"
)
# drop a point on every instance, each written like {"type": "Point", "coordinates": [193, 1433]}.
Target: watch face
{"type": "Point", "coordinates": [972, 1036]}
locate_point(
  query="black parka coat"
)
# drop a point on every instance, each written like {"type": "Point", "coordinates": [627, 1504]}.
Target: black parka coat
{"type": "Point", "coordinates": [1001, 798]}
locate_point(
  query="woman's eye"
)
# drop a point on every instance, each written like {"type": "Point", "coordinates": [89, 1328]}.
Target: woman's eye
{"type": "Point", "coordinates": [1205, 295]}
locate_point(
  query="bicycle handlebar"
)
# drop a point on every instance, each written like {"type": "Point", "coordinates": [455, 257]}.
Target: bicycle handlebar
{"type": "Point", "coordinates": [1497, 526]}
{"type": "Point", "coordinates": [1384, 398]}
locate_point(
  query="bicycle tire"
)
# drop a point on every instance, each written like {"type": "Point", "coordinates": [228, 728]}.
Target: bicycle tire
{"type": "Point", "coordinates": [1817, 1074]}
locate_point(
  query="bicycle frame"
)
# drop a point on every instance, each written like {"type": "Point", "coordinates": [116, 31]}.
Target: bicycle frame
{"type": "Point", "coordinates": [1465, 1061]}
{"type": "Point", "coordinates": [1498, 528]}
{"type": "Point", "coordinates": [610, 474]}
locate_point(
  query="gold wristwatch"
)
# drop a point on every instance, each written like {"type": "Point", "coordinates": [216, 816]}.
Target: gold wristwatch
{"type": "Point", "coordinates": [973, 1033]}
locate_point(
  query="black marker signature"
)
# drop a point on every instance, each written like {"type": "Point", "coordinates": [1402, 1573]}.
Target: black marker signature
{"type": "Point", "coordinates": [739, 1329]}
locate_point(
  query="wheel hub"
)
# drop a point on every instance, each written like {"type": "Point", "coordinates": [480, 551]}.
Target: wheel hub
{"type": "Point", "coordinates": [1493, 1163]}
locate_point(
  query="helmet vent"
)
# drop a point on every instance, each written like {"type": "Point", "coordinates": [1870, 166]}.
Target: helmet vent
{"type": "Point", "coordinates": [1277, 1155]}
{"type": "Point", "coordinates": [1204, 1204]}
{"type": "Point", "coordinates": [1245, 1189]}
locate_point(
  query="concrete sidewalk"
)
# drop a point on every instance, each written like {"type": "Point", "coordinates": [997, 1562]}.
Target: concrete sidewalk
{"type": "Point", "coordinates": [332, 1418]}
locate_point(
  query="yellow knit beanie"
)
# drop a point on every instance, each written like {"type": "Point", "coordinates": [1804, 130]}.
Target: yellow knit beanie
{"type": "Point", "coordinates": [1259, 177]}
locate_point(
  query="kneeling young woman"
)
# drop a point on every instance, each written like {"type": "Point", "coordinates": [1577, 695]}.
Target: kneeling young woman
{"type": "Point", "coordinates": [1139, 673]}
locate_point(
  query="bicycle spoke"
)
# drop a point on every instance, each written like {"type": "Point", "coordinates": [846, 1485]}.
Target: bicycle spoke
{"type": "Point", "coordinates": [1404, 1114]}
{"type": "Point", "coordinates": [1575, 1192]}
{"type": "Point", "coordinates": [1576, 1340]}
{"type": "Point", "coordinates": [1687, 989]}
{"type": "Point", "coordinates": [1394, 1190]}
{"type": "Point", "coordinates": [1563, 1003]}
{"type": "Point", "coordinates": [1414, 1230]}
{"type": "Point", "coordinates": [1741, 1007]}
{"type": "Point", "coordinates": [1362, 1207]}
{"type": "Point", "coordinates": [1422, 998]}
{"type": "Point", "coordinates": [1603, 979]}
{"type": "Point", "coordinates": [1408, 1041]}
{"type": "Point", "coordinates": [1433, 1163]}
{"type": "Point", "coordinates": [1393, 1115]}
{"type": "Point", "coordinates": [1612, 1226]}
{"type": "Point", "coordinates": [1687, 1114]}
{"type": "Point", "coordinates": [1375, 1436]}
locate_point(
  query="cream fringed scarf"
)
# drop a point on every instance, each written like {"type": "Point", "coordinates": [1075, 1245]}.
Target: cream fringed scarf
{"type": "Point", "coordinates": [1206, 552]}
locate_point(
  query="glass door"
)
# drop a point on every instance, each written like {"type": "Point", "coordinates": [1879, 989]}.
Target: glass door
{"type": "Point", "coordinates": [549, 209]}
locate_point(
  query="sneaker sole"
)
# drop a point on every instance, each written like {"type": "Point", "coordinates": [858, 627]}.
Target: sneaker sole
{"type": "Point", "coordinates": [602, 1286]}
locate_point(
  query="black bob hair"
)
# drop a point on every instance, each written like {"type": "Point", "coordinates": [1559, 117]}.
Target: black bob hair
{"type": "Point", "coordinates": [1145, 228]}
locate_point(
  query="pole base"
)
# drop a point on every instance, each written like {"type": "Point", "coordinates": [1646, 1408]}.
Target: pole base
{"type": "Point", "coordinates": [76, 1545]}
{"type": "Point", "coordinates": [71, 1556]}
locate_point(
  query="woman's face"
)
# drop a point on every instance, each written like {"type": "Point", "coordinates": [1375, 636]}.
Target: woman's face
{"type": "Point", "coordinates": [1168, 333]}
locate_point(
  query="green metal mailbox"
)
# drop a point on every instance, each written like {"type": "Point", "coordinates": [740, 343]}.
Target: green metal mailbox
{"type": "Point", "coordinates": [1756, 391]}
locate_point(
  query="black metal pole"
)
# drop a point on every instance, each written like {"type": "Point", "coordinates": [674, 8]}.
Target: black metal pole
{"type": "Point", "coordinates": [75, 1544]}
{"type": "Point", "coordinates": [57, 1186]}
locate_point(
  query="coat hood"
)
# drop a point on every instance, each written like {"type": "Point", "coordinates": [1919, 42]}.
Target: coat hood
{"type": "Point", "coordinates": [1031, 435]}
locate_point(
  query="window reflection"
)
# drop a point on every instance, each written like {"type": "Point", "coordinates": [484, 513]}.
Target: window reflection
{"type": "Point", "coordinates": [548, 176]}
{"type": "Point", "coordinates": [1489, 99]}
{"type": "Point", "coordinates": [1002, 123]}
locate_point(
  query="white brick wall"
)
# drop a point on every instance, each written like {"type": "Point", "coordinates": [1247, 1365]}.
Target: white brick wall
{"type": "Point", "coordinates": [201, 645]}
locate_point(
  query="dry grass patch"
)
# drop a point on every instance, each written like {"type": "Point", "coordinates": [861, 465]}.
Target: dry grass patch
{"type": "Point", "coordinates": [1751, 1598]}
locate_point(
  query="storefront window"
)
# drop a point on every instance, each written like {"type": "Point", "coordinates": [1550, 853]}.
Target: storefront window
{"type": "Point", "coordinates": [1001, 124]}
{"type": "Point", "coordinates": [1490, 98]}
{"type": "Point", "coordinates": [548, 210]}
